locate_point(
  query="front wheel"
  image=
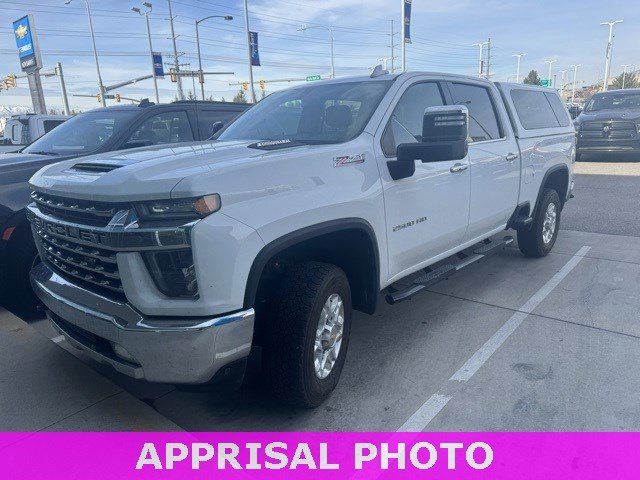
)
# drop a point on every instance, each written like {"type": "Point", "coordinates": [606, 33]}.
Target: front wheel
{"type": "Point", "coordinates": [307, 334]}
{"type": "Point", "coordinates": [538, 239]}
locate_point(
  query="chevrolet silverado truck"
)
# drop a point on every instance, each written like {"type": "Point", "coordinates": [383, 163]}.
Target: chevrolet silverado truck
{"type": "Point", "coordinates": [170, 265]}
{"type": "Point", "coordinates": [610, 124]}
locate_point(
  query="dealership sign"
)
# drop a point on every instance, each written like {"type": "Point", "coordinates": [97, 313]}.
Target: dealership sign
{"type": "Point", "coordinates": [27, 44]}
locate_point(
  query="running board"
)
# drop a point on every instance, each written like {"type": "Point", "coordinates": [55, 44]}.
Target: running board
{"type": "Point", "coordinates": [433, 276]}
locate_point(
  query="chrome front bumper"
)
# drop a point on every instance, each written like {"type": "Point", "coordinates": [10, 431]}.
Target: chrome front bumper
{"type": "Point", "coordinates": [167, 350]}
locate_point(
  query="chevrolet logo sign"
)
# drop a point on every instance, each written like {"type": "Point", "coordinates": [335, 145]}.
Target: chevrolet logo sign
{"type": "Point", "coordinates": [21, 32]}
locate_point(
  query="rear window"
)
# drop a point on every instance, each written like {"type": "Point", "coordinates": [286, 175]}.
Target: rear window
{"type": "Point", "coordinates": [562, 114]}
{"type": "Point", "coordinates": [534, 110]}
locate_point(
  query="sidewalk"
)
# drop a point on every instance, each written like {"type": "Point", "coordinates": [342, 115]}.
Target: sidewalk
{"type": "Point", "coordinates": [44, 387]}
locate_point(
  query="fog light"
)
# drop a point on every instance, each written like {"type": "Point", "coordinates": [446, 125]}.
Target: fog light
{"type": "Point", "coordinates": [121, 352]}
{"type": "Point", "coordinates": [173, 272]}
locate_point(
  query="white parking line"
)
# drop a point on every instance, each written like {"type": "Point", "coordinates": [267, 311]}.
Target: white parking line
{"type": "Point", "coordinates": [434, 405]}
{"type": "Point", "coordinates": [58, 339]}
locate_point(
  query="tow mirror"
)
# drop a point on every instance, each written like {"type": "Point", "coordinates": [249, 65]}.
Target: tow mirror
{"type": "Point", "coordinates": [444, 138]}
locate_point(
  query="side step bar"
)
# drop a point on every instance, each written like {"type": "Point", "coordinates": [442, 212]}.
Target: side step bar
{"type": "Point", "coordinates": [433, 276]}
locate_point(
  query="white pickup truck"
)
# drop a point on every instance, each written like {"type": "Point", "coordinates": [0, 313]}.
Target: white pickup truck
{"type": "Point", "coordinates": [170, 264]}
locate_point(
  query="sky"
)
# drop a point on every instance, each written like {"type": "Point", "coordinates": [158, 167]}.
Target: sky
{"type": "Point", "coordinates": [443, 34]}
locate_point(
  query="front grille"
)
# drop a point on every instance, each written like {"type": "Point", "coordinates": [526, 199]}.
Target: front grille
{"type": "Point", "coordinates": [612, 129]}
{"type": "Point", "coordinates": [82, 211]}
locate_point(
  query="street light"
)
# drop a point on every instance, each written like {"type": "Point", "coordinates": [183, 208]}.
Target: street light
{"type": "Point", "coordinates": [550, 62]}
{"type": "Point", "coordinates": [330, 30]}
{"type": "Point", "coordinates": [147, 11]}
{"type": "Point", "coordinates": [519, 57]}
{"type": "Point", "coordinates": [575, 76]}
{"type": "Point", "coordinates": [563, 73]}
{"type": "Point", "coordinates": [198, 22]}
{"type": "Point", "coordinates": [95, 52]}
{"type": "Point", "coordinates": [607, 63]}
{"type": "Point", "coordinates": [481, 45]}
{"type": "Point", "coordinates": [624, 73]}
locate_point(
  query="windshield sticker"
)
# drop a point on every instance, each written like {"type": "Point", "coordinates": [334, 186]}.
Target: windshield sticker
{"type": "Point", "coordinates": [345, 160]}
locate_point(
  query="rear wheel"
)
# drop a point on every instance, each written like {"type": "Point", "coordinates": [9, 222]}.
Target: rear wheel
{"type": "Point", "coordinates": [539, 238]}
{"type": "Point", "coordinates": [307, 334]}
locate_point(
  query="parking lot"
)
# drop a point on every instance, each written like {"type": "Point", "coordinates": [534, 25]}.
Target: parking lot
{"type": "Point", "coordinates": [510, 344]}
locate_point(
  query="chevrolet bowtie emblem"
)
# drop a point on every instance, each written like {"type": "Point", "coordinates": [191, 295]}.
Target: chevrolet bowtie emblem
{"type": "Point", "coordinates": [21, 32]}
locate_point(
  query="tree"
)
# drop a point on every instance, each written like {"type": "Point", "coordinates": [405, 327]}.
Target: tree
{"type": "Point", "coordinates": [240, 97]}
{"type": "Point", "coordinates": [532, 78]}
{"type": "Point", "coordinates": [630, 81]}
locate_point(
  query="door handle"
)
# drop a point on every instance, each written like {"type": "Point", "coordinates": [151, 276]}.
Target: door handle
{"type": "Point", "coordinates": [511, 157]}
{"type": "Point", "coordinates": [458, 167]}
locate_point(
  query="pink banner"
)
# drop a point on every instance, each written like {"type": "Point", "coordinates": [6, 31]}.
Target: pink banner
{"type": "Point", "coordinates": [102, 456]}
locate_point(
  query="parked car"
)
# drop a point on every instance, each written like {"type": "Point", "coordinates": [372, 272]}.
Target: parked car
{"type": "Point", "coordinates": [610, 123]}
{"type": "Point", "coordinates": [575, 109]}
{"type": "Point", "coordinates": [305, 209]}
{"type": "Point", "coordinates": [100, 130]}
{"type": "Point", "coordinates": [22, 130]}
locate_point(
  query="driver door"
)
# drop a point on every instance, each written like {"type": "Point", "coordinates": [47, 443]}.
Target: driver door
{"type": "Point", "coordinates": [426, 214]}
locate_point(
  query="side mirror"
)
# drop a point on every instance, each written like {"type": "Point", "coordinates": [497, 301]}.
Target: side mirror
{"type": "Point", "coordinates": [215, 128]}
{"type": "Point", "coordinates": [137, 144]}
{"type": "Point", "coordinates": [444, 138]}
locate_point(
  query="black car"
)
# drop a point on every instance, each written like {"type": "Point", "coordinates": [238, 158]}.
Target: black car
{"type": "Point", "coordinates": [610, 123]}
{"type": "Point", "coordinates": [101, 130]}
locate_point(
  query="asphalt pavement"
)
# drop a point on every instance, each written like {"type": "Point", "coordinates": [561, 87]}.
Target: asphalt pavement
{"type": "Point", "coordinates": [508, 344]}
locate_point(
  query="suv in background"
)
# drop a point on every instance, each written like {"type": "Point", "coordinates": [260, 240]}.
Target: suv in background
{"type": "Point", "coordinates": [610, 123]}
{"type": "Point", "coordinates": [22, 130]}
{"type": "Point", "coordinates": [97, 131]}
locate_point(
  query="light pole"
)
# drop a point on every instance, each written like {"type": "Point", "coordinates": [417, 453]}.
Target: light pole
{"type": "Point", "coordinates": [563, 73]}
{"type": "Point", "coordinates": [95, 51]}
{"type": "Point", "coordinates": [624, 73]}
{"type": "Point", "coordinates": [198, 22]}
{"type": "Point", "coordinates": [246, 24]}
{"type": "Point", "coordinates": [147, 11]}
{"type": "Point", "coordinates": [481, 46]}
{"type": "Point", "coordinates": [330, 30]}
{"type": "Point", "coordinates": [550, 62]}
{"type": "Point", "coordinates": [607, 63]}
{"type": "Point", "coordinates": [575, 77]}
{"type": "Point", "coordinates": [519, 57]}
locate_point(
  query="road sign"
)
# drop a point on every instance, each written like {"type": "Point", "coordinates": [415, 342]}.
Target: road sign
{"type": "Point", "coordinates": [158, 70]}
{"type": "Point", "coordinates": [313, 78]}
{"type": "Point", "coordinates": [545, 82]}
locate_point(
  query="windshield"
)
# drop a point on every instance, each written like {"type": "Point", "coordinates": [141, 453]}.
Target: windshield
{"type": "Point", "coordinates": [322, 113]}
{"type": "Point", "coordinates": [83, 133]}
{"type": "Point", "coordinates": [613, 101]}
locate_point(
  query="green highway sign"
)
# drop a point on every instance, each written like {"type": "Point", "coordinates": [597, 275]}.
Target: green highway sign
{"type": "Point", "coordinates": [545, 82]}
{"type": "Point", "coordinates": [313, 78]}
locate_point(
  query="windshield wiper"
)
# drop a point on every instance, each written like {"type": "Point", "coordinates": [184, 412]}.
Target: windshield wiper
{"type": "Point", "coordinates": [44, 153]}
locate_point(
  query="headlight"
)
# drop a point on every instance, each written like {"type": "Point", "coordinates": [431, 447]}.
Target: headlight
{"type": "Point", "coordinates": [173, 272]}
{"type": "Point", "coordinates": [180, 208]}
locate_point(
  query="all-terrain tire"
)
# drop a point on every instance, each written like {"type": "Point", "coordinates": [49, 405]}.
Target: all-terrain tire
{"type": "Point", "coordinates": [538, 239]}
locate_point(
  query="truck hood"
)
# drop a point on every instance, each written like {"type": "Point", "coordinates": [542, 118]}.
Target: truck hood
{"type": "Point", "coordinates": [612, 114]}
{"type": "Point", "coordinates": [140, 174]}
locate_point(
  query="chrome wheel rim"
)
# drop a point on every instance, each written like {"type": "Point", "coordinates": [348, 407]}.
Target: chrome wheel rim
{"type": "Point", "coordinates": [549, 224]}
{"type": "Point", "coordinates": [328, 339]}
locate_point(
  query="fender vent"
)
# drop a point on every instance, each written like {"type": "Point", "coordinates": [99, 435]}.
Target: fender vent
{"type": "Point", "coordinates": [95, 167]}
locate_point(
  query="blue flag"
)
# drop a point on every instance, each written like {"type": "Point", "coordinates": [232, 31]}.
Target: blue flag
{"type": "Point", "coordinates": [406, 18]}
{"type": "Point", "coordinates": [255, 54]}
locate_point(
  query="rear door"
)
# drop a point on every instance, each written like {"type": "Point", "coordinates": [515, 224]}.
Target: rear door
{"type": "Point", "coordinates": [493, 155]}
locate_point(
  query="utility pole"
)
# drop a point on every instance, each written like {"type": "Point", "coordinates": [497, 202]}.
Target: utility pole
{"type": "Point", "coordinates": [575, 77]}
{"type": "Point", "coordinates": [148, 8]}
{"type": "Point", "coordinates": [393, 53]}
{"type": "Point", "coordinates": [201, 75]}
{"type": "Point", "coordinates": [246, 23]}
{"type": "Point", "coordinates": [481, 45]}
{"type": "Point", "coordinates": [550, 62]}
{"type": "Point", "coordinates": [519, 57]}
{"type": "Point", "coordinates": [176, 64]}
{"type": "Point", "coordinates": [404, 39]}
{"type": "Point", "coordinates": [607, 64]}
{"type": "Point", "coordinates": [489, 59]}
{"type": "Point", "coordinates": [95, 51]}
{"type": "Point", "coordinates": [63, 88]}
{"type": "Point", "coordinates": [624, 73]}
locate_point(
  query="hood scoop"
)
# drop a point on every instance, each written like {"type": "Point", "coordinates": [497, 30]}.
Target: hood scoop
{"type": "Point", "coordinates": [96, 167]}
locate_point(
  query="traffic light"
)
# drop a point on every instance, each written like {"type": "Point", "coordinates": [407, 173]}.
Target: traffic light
{"type": "Point", "coordinates": [99, 97]}
{"type": "Point", "coordinates": [117, 97]}
{"type": "Point", "coordinates": [11, 81]}
{"type": "Point", "coordinates": [172, 75]}
{"type": "Point", "coordinates": [245, 86]}
{"type": "Point", "coordinates": [262, 84]}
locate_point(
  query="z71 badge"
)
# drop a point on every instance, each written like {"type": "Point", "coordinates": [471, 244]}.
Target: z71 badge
{"type": "Point", "coordinates": [345, 160]}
